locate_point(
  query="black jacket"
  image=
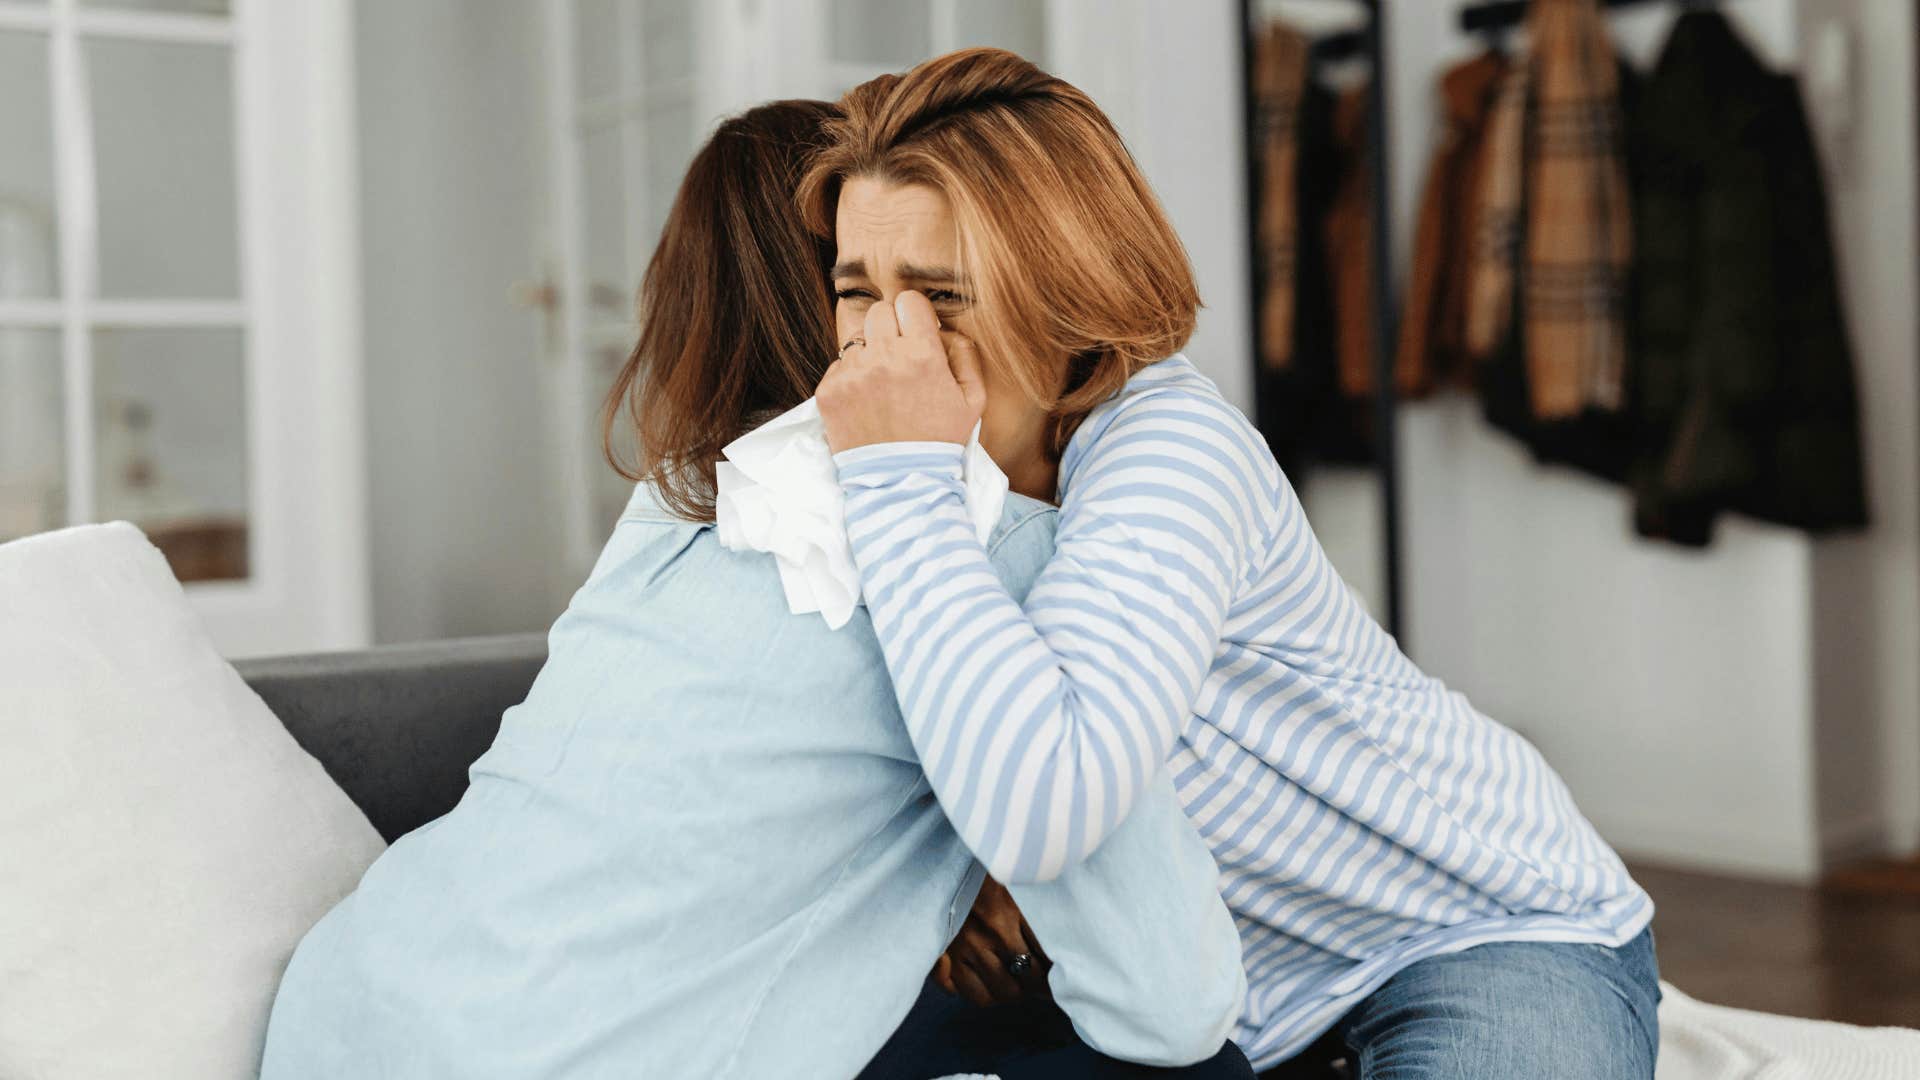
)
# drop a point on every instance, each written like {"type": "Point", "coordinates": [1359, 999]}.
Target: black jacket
{"type": "Point", "coordinates": [1741, 379]}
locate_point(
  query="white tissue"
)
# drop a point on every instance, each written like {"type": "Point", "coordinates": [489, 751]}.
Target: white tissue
{"type": "Point", "coordinates": [779, 493]}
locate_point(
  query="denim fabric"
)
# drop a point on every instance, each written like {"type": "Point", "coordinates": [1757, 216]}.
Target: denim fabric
{"type": "Point", "coordinates": [703, 846]}
{"type": "Point", "coordinates": [1512, 1010]}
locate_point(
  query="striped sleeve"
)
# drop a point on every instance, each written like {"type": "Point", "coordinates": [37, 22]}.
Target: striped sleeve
{"type": "Point", "coordinates": [1037, 727]}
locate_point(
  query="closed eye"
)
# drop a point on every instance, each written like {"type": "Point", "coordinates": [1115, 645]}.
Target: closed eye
{"type": "Point", "coordinates": [945, 296]}
{"type": "Point", "coordinates": [853, 292]}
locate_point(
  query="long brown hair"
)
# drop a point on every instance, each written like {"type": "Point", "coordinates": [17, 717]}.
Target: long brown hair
{"type": "Point", "coordinates": [1064, 246]}
{"type": "Point", "coordinates": [736, 317]}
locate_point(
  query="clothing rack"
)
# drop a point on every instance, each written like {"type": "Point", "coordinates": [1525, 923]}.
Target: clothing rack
{"type": "Point", "coordinates": [1501, 14]}
{"type": "Point", "coordinates": [1368, 41]}
{"type": "Point", "coordinates": [1341, 45]}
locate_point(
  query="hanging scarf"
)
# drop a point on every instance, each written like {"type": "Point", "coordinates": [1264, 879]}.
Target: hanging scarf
{"type": "Point", "coordinates": [1579, 231]}
{"type": "Point", "coordinates": [1496, 216]}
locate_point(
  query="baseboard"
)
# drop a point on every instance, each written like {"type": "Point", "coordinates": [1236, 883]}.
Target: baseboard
{"type": "Point", "coordinates": [1870, 836]}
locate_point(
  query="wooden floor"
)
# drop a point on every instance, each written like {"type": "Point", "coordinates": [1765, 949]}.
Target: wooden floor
{"type": "Point", "coordinates": [1849, 951]}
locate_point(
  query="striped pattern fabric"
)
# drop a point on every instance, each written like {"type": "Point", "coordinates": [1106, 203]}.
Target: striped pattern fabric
{"type": "Point", "coordinates": [1362, 815]}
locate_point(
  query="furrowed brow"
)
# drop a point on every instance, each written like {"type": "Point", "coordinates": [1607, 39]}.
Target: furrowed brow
{"type": "Point", "coordinates": [928, 275]}
{"type": "Point", "coordinates": [850, 268]}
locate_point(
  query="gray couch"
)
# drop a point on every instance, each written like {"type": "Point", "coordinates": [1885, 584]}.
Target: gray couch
{"type": "Point", "coordinates": [397, 726]}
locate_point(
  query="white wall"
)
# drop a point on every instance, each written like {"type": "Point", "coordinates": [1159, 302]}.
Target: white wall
{"type": "Point", "coordinates": [463, 508]}
{"type": "Point", "coordinates": [1867, 588]}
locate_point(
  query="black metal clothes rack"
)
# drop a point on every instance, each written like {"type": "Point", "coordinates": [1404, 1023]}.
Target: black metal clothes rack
{"type": "Point", "coordinates": [1501, 14]}
{"type": "Point", "coordinates": [1368, 41]}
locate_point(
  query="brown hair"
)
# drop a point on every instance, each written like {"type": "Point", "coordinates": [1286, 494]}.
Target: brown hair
{"type": "Point", "coordinates": [1062, 243]}
{"type": "Point", "coordinates": [736, 317]}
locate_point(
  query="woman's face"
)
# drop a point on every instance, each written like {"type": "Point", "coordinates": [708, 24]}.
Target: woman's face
{"type": "Point", "coordinates": [895, 237]}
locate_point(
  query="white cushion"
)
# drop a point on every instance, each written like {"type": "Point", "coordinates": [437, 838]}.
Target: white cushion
{"type": "Point", "coordinates": [164, 843]}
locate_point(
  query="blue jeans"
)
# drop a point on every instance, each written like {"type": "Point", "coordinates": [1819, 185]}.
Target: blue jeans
{"type": "Point", "coordinates": [1506, 1011]}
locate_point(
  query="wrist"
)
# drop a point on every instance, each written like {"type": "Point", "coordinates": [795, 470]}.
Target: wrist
{"type": "Point", "coordinates": [878, 463]}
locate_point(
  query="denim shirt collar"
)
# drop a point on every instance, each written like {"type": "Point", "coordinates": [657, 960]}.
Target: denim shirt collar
{"type": "Point", "coordinates": [645, 505]}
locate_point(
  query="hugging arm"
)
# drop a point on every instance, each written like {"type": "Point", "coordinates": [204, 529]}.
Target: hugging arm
{"type": "Point", "coordinates": [1039, 725]}
{"type": "Point", "coordinates": [1146, 958]}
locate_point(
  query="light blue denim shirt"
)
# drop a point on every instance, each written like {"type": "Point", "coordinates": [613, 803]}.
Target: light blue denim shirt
{"type": "Point", "coordinates": [703, 846]}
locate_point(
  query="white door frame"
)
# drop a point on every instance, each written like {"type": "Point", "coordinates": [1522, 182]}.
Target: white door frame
{"type": "Point", "coordinates": [301, 223]}
{"type": "Point", "coordinates": [569, 280]}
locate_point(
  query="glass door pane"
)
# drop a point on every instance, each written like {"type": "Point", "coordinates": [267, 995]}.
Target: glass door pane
{"type": "Point", "coordinates": [164, 147]}
{"type": "Point", "coordinates": [170, 409]}
{"type": "Point", "coordinates": [33, 487]}
{"type": "Point", "coordinates": [28, 266]}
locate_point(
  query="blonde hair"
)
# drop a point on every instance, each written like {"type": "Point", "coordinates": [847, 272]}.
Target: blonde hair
{"type": "Point", "coordinates": [1063, 246]}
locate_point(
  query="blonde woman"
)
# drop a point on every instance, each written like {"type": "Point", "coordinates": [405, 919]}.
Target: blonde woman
{"type": "Point", "coordinates": [1410, 878]}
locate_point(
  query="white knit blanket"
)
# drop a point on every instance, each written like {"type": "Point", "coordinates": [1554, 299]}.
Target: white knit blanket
{"type": "Point", "coordinates": [1712, 1042]}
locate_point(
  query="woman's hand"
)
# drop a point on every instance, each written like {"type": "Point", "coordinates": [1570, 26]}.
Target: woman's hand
{"type": "Point", "coordinates": [975, 965]}
{"type": "Point", "coordinates": [905, 382]}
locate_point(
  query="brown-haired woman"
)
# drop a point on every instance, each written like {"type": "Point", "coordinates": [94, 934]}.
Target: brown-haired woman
{"type": "Point", "coordinates": [1410, 877]}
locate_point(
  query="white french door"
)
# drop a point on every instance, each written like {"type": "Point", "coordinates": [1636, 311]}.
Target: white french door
{"type": "Point", "coordinates": [633, 88]}
{"type": "Point", "coordinates": [179, 338]}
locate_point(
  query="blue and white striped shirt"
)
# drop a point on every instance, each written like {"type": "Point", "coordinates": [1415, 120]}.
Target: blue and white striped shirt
{"type": "Point", "coordinates": [1363, 816]}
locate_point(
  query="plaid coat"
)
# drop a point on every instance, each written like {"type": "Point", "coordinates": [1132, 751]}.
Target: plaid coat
{"type": "Point", "coordinates": [1597, 439]}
